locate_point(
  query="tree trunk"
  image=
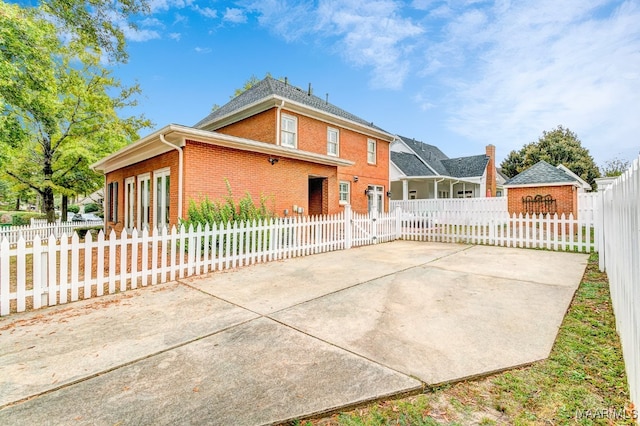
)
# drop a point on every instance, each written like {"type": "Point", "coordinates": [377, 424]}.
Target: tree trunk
{"type": "Point", "coordinates": [17, 204]}
{"type": "Point", "coordinates": [63, 210]}
{"type": "Point", "coordinates": [47, 190]}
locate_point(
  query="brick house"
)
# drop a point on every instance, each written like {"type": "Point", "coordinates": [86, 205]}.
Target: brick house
{"type": "Point", "coordinates": [543, 188]}
{"type": "Point", "coordinates": [305, 155]}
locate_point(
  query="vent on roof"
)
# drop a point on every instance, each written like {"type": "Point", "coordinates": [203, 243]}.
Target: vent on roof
{"type": "Point", "coordinates": [286, 81]}
{"type": "Point", "coordinates": [327, 99]}
{"type": "Point", "coordinates": [310, 92]}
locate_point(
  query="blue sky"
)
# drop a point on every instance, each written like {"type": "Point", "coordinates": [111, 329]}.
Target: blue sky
{"type": "Point", "coordinates": [458, 74]}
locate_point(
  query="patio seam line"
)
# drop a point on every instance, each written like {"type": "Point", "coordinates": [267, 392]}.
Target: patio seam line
{"type": "Point", "coordinates": [499, 278]}
{"type": "Point", "coordinates": [364, 282]}
{"type": "Point", "coordinates": [126, 364]}
{"type": "Point", "coordinates": [422, 382]}
{"type": "Point", "coordinates": [219, 298]}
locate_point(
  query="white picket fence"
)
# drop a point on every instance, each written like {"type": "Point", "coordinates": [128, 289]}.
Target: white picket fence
{"type": "Point", "coordinates": [477, 206]}
{"type": "Point", "coordinates": [42, 230]}
{"type": "Point", "coordinates": [620, 258]}
{"type": "Point", "coordinates": [58, 270]}
{"type": "Point", "coordinates": [550, 232]}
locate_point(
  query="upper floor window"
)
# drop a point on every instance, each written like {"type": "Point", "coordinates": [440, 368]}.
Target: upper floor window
{"type": "Point", "coordinates": [371, 151]}
{"type": "Point", "coordinates": [333, 138]}
{"type": "Point", "coordinates": [289, 131]}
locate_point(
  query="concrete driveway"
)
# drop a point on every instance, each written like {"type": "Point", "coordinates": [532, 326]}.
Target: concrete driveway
{"type": "Point", "coordinates": [289, 339]}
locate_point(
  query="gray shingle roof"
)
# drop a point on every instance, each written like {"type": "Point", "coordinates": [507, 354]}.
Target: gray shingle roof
{"type": "Point", "coordinates": [430, 154]}
{"type": "Point", "coordinates": [462, 167]}
{"type": "Point", "coordinates": [465, 167]}
{"type": "Point", "coordinates": [541, 172]}
{"type": "Point", "coordinates": [270, 87]}
{"type": "Point", "coordinates": [410, 164]}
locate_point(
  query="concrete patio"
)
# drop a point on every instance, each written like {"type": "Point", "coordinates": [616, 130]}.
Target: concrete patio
{"type": "Point", "coordinates": [289, 339]}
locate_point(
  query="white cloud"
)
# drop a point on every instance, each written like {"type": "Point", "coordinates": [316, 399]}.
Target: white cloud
{"type": "Point", "coordinates": [235, 15]}
{"type": "Point", "coordinates": [528, 67]}
{"type": "Point", "coordinates": [162, 5]}
{"type": "Point", "coordinates": [202, 49]}
{"type": "Point", "coordinates": [369, 34]}
{"type": "Point", "coordinates": [151, 22]}
{"type": "Point", "coordinates": [175, 36]}
{"type": "Point", "coordinates": [206, 11]}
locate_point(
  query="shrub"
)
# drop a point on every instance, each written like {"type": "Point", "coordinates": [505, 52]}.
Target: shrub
{"type": "Point", "coordinates": [92, 207]}
{"type": "Point", "coordinates": [82, 232]}
{"type": "Point", "coordinates": [20, 219]}
{"type": "Point", "coordinates": [73, 208]}
{"type": "Point", "coordinates": [227, 211]}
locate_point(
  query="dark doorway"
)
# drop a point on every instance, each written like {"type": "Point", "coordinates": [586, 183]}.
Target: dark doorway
{"type": "Point", "coordinates": [318, 196]}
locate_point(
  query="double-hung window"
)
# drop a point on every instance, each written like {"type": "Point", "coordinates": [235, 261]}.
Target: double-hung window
{"type": "Point", "coordinates": [289, 131]}
{"type": "Point", "coordinates": [371, 151]}
{"type": "Point", "coordinates": [344, 191]}
{"type": "Point", "coordinates": [129, 202]}
{"type": "Point", "coordinates": [112, 202]}
{"type": "Point", "coordinates": [333, 141]}
{"type": "Point", "coordinates": [161, 197]}
{"type": "Point", "coordinates": [144, 199]}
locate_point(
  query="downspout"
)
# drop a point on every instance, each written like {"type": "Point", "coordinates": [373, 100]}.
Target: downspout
{"type": "Point", "coordinates": [435, 187]}
{"type": "Point", "coordinates": [278, 121]}
{"type": "Point", "coordinates": [180, 165]}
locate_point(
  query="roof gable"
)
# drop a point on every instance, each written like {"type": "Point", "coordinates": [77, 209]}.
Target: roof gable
{"type": "Point", "coordinates": [430, 154]}
{"type": "Point", "coordinates": [542, 173]}
{"type": "Point", "coordinates": [410, 164]}
{"type": "Point", "coordinates": [269, 88]}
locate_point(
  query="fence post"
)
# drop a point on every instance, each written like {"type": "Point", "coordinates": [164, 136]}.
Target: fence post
{"type": "Point", "coordinates": [398, 212]}
{"type": "Point", "coordinates": [347, 226]}
{"type": "Point", "coordinates": [602, 253]}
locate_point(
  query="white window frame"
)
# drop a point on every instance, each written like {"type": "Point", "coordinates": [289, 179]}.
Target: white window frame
{"type": "Point", "coordinates": [161, 199]}
{"type": "Point", "coordinates": [144, 205]}
{"type": "Point", "coordinates": [289, 126]}
{"type": "Point", "coordinates": [371, 153]}
{"type": "Point", "coordinates": [129, 202]}
{"type": "Point", "coordinates": [335, 144]}
{"type": "Point", "coordinates": [347, 194]}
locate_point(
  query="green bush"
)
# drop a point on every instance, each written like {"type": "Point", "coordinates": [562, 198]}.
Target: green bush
{"type": "Point", "coordinates": [226, 211]}
{"type": "Point", "coordinates": [73, 208]}
{"type": "Point", "coordinates": [21, 219]}
{"type": "Point", "coordinates": [92, 207]}
{"type": "Point", "coordinates": [82, 232]}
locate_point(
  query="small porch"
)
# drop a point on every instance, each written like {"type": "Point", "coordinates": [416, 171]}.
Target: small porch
{"type": "Point", "coordinates": [434, 187]}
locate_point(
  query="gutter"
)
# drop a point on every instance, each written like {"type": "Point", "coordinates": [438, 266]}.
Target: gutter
{"type": "Point", "coordinates": [180, 171]}
{"type": "Point", "coordinates": [278, 123]}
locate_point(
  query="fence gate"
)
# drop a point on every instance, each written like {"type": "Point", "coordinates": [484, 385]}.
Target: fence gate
{"type": "Point", "coordinates": [372, 228]}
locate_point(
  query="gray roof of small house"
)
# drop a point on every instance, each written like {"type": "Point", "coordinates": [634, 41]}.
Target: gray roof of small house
{"type": "Point", "coordinates": [541, 172]}
{"type": "Point", "coordinates": [269, 87]}
{"type": "Point", "coordinates": [410, 164]}
{"type": "Point", "coordinates": [462, 167]}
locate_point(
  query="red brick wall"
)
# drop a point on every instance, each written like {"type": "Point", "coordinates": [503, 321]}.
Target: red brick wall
{"type": "Point", "coordinates": [312, 136]}
{"type": "Point", "coordinates": [566, 197]}
{"type": "Point", "coordinates": [285, 183]}
{"type": "Point", "coordinates": [260, 127]}
{"type": "Point", "coordinates": [169, 159]}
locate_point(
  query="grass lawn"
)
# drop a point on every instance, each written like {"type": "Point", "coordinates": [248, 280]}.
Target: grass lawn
{"type": "Point", "coordinates": [582, 382]}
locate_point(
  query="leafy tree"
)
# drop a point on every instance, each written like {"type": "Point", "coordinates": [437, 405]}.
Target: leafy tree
{"type": "Point", "coordinates": [558, 146]}
{"type": "Point", "coordinates": [252, 81]}
{"type": "Point", "coordinates": [96, 23]}
{"type": "Point", "coordinates": [615, 167]}
{"type": "Point", "coordinates": [57, 111]}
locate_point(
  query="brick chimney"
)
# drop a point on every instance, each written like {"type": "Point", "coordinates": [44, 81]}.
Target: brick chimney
{"type": "Point", "coordinates": [491, 171]}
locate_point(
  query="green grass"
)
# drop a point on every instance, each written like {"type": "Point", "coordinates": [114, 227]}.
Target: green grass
{"type": "Point", "coordinates": [584, 371]}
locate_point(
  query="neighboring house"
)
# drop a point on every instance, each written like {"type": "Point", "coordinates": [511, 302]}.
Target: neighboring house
{"type": "Point", "coordinates": [96, 197]}
{"type": "Point", "coordinates": [543, 188]}
{"type": "Point", "coordinates": [421, 171]}
{"type": "Point", "coordinates": [304, 154]}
